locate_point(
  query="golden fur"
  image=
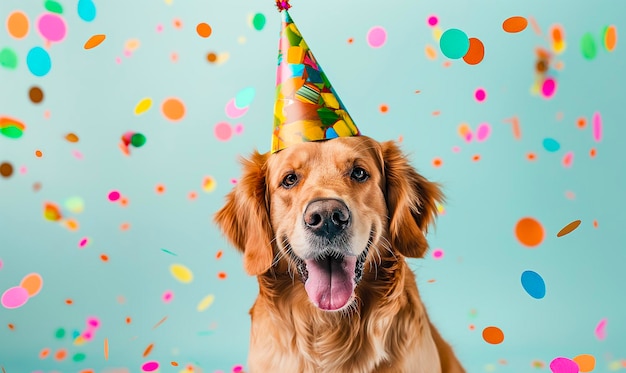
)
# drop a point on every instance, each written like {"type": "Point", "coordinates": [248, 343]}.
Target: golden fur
{"type": "Point", "coordinates": [384, 327]}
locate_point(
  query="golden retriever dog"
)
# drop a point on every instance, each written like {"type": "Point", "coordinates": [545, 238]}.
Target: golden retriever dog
{"type": "Point", "coordinates": [326, 227]}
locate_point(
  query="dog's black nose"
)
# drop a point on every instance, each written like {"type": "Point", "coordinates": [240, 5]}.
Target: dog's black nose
{"type": "Point", "coordinates": [327, 217]}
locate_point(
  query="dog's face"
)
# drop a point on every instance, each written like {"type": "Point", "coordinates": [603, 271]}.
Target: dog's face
{"type": "Point", "coordinates": [328, 208]}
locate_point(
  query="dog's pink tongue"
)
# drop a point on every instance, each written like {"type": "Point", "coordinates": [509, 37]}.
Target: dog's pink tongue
{"type": "Point", "coordinates": [331, 282]}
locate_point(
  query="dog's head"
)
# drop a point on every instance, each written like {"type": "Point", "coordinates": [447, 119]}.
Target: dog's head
{"type": "Point", "coordinates": [324, 208]}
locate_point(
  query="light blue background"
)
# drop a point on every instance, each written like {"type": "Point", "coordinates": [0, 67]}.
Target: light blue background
{"type": "Point", "coordinates": [477, 282]}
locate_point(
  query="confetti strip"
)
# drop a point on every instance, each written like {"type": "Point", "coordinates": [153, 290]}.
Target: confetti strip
{"type": "Point", "coordinates": [106, 349]}
{"type": "Point", "coordinates": [568, 228]}
{"type": "Point", "coordinates": [159, 323]}
{"type": "Point", "coordinates": [148, 350]}
{"type": "Point", "coordinates": [517, 133]}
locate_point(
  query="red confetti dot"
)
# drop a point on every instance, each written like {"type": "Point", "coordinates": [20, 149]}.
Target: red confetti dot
{"type": "Point", "coordinates": [160, 188]}
{"type": "Point", "coordinates": [104, 258]}
{"type": "Point", "coordinates": [219, 254]}
{"type": "Point", "coordinates": [11, 326]}
{"type": "Point", "coordinates": [69, 301]}
{"type": "Point", "coordinates": [437, 162]}
{"type": "Point", "coordinates": [476, 157]}
{"type": "Point", "coordinates": [581, 122]}
{"type": "Point", "coordinates": [592, 152]}
{"type": "Point", "coordinates": [38, 153]}
{"type": "Point", "coordinates": [383, 108]}
{"type": "Point", "coordinates": [221, 275]}
{"type": "Point", "coordinates": [493, 335]}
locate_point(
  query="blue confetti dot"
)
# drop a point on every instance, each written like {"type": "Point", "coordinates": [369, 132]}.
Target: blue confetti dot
{"type": "Point", "coordinates": [38, 61]}
{"type": "Point", "coordinates": [533, 284]}
{"type": "Point", "coordinates": [244, 98]}
{"type": "Point", "coordinates": [86, 10]}
{"type": "Point", "coordinates": [551, 145]}
{"type": "Point", "coordinates": [454, 43]}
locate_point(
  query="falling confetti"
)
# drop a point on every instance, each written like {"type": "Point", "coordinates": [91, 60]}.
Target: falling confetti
{"type": "Point", "coordinates": [181, 273]}
{"type": "Point", "coordinates": [588, 46]}
{"type": "Point", "coordinates": [476, 52]}
{"type": "Point", "coordinates": [86, 10]}
{"type": "Point", "coordinates": [173, 109]}
{"type": "Point", "coordinates": [258, 21]}
{"type": "Point", "coordinates": [223, 131]}
{"type": "Point", "coordinates": [376, 37]}
{"type": "Point", "coordinates": [514, 24]}
{"type": "Point", "coordinates": [38, 61]}
{"type": "Point", "coordinates": [563, 365]}
{"type": "Point", "coordinates": [493, 335]}
{"type": "Point", "coordinates": [600, 330]}
{"type": "Point", "coordinates": [203, 30]}
{"type": "Point", "coordinates": [52, 27]}
{"type": "Point", "coordinates": [32, 283]}
{"type": "Point", "coordinates": [597, 127]}
{"type": "Point", "coordinates": [529, 232]}
{"type": "Point", "coordinates": [6, 169]}
{"type": "Point", "coordinates": [551, 144]}
{"type": "Point", "coordinates": [586, 363]}
{"type": "Point", "coordinates": [205, 303]}
{"type": "Point", "coordinates": [14, 297]}
{"type": "Point", "coordinates": [36, 95]}
{"type": "Point", "coordinates": [568, 228]}
{"type": "Point", "coordinates": [94, 41]}
{"type": "Point", "coordinates": [454, 43]}
{"type": "Point", "coordinates": [534, 285]}
{"type": "Point", "coordinates": [609, 38]}
{"type": "Point", "coordinates": [18, 24]}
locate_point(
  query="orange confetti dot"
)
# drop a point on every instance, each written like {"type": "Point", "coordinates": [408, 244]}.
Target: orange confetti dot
{"type": "Point", "coordinates": [211, 57]}
{"type": "Point", "coordinates": [71, 224]}
{"type": "Point", "coordinates": [106, 349]}
{"type": "Point", "coordinates": [219, 254]}
{"type": "Point", "coordinates": [581, 122]}
{"type": "Point", "coordinates": [529, 232]}
{"type": "Point", "coordinates": [475, 53]}
{"type": "Point", "coordinates": [177, 23]}
{"type": "Point", "coordinates": [87, 371]}
{"type": "Point", "coordinates": [44, 353]}
{"type": "Point", "coordinates": [204, 30]}
{"type": "Point", "coordinates": [472, 327]}
{"type": "Point", "coordinates": [350, 40]}
{"type": "Point", "coordinates": [431, 52]}
{"type": "Point", "coordinates": [124, 201]}
{"type": "Point", "coordinates": [38, 153]}
{"type": "Point", "coordinates": [128, 320]}
{"type": "Point", "coordinates": [476, 157]}
{"type": "Point", "coordinates": [437, 162]}
{"type": "Point", "coordinates": [436, 113]}
{"type": "Point", "coordinates": [68, 301]}
{"type": "Point", "coordinates": [610, 38]}
{"type": "Point", "coordinates": [557, 34]}
{"type": "Point", "coordinates": [173, 109]}
{"type": "Point", "coordinates": [94, 41]}
{"type": "Point", "coordinates": [447, 63]}
{"type": "Point", "coordinates": [61, 354]}
{"type": "Point", "coordinates": [514, 24]}
{"type": "Point", "coordinates": [174, 57]}
{"type": "Point", "coordinates": [592, 152]}
{"type": "Point", "coordinates": [71, 137]}
{"type": "Point", "coordinates": [104, 258]}
{"type": "Point", "coordinates": [586, 362]}
{"type": "Point", "coordinates": [221, 275]}
{"type": "Point", "coordinates": [32, 283]}
{"type": "Point", "coordinates": [192, 195]}
{"type": "Point", "coordinates": [568, 228]}
{"type": "Point", "coordinates": [531, 156]}
{"type": "Point", "coordinates": [595, 224]}
{"type": "Point", "coordinates": [125, 226]}
{"type": "Point", "coordinates": [148, 349]}
{"type": "Point", "coordinates": [174, 364]}
{"type": "Point", "coordinates": [493, 335]}
{"type": "Point", "coordinates": [160, 188]}
{"type": "Point", "coordinates": [11, 327]}
{"type": "Point", "coordinates": [383, 108]}
{"type": "Point", "coordinates": [17, 24]}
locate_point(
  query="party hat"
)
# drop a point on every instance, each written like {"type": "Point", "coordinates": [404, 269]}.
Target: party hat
{"type": "Point", "coordinates": [307, 107]}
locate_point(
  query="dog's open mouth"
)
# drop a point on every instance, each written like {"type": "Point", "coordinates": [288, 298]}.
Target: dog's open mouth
{"type": "Point", "coordinates": [330, 280]}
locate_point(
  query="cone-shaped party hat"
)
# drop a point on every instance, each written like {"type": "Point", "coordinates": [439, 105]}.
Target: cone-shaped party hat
{"type": "Point", "coordinates": [307, 107]}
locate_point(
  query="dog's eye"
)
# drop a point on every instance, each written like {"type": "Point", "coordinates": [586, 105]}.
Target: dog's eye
{"type": "Point", "coordinates": [289, 181]}
{"type": "Point", "coordinates": [359, 174]}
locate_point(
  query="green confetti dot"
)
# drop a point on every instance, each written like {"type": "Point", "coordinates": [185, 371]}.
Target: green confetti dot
{"type": "Point", "coordinates": [60, 333]}
{"type": "Point", "coordinates": [258, 21]}
{"type": "Point", "coordinates": [138, 140]}
{"type": "Point", "coordinates": [53, 7]}
{"type": "Point", "coordinates": [79, 357]}
{"type": "Point", "coordinates": [588, 46]}
{"type": "Point", "coordinates": [454, 43]}
{"type": "Point", "coordinates": [8, 58]}
{"type": "Point", "coordinates": [11, 132]}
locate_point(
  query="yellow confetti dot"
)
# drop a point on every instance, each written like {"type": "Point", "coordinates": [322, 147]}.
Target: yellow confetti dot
{"type": "Point", "coordinates": [142, 106]}
{"type": "Point", "coordinates": [181, 273]}
{"type": "Point", "coordinates": [205, 303]}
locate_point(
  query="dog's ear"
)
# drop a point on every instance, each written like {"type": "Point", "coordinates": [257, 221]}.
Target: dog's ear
{"type": "Point", "coordinates": [411, 202]}
{"type": "Point", "coordinates": [244, 219]}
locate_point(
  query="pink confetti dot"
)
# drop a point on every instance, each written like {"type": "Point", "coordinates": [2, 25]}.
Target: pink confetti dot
{"type": "Point", "coordinates": [223, 131]}
{"type": "Point", "coordinates": [376, 37]}
{"type": "Point", "coordinates": [14, 297]}
{"type": "Point", "coordinates": [83, 242]}
{"type": "Point", "coordinates": [1, 263]}
{"type": "Point", "coordinates": [237, 369]}
{"type": "Point", "coordinates": [52, 27]}
{"type": "Point", "coordinates": [150, 366]}
{"type": "Point", "coordinates": [456, 149]}
{"type": "Point", "coordinates": [548, 88]}
{"type": "Point", "coordinates": [600, 331]}
{"type": "Point", "coordinates": [433, 21]}
{"type": "Point", "coordinates": [568, 159]}
{"type": "Point", "coordinates": [167, 296]}
{"type": "Point", "coordinates": [233, 181]}
{"type": "Point", "coordinates": [232, 111]}
{"type": "Point", "coordinates": [597, 127]}
{"type": "Point", "coordinates": [437, 253]}
{"type": "Point", "coordinates": [238, 129]}
{"type": "Point", "coordinates": [563, 365]}
{"type": "Point", "coordinates": [480, 94]}
{"type": "Point", "coordinates": [159, 28]}
{"type": "Point", "coordinates": [483, 131]}
{"type": "Point", "coordinates": [93, 322]}
{"type": "Point", "coordinates": [23, 170]}
{"type": "Point", "coordinates": [114, 196]}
